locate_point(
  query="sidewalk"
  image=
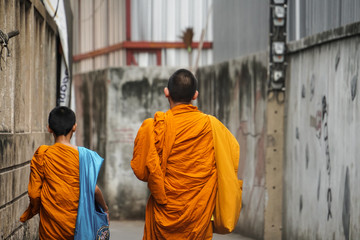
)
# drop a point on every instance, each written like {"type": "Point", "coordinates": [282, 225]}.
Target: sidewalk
{"type": "Point", "coordinates": [133, 230]}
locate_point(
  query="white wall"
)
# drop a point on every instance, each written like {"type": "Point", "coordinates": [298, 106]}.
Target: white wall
{"type": "Point", "coordinates": [321, 167]}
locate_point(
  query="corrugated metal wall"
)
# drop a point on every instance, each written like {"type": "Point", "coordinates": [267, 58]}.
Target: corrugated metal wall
{"type": "Point", "coordinates": [97, 24]}
{"type": "Point", "coordinates": [241, 27]}
{"type": "Point", "coordinates": [308, 17]}
{"type": "Point", "coordinates": [102, 23]}
{"type": "Point", "coordinates": [165, 20]}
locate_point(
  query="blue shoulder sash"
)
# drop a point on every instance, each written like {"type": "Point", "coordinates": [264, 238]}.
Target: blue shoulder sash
{"type": "Point", "coordinates": [90, 218]}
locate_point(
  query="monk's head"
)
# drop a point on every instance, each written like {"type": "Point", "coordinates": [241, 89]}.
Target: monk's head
{"type": "Point", "coordinates": [61, 121]}
{"type": "Point", "coordinates": [182, 87]}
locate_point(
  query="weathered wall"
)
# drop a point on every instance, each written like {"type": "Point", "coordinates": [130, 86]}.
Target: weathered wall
{"type": "Point", "coordinates": [321, 167]}
{"type": "Point", "coordinates": [233, 91]}
{"type": "Point", "coordinates": [27, 94]}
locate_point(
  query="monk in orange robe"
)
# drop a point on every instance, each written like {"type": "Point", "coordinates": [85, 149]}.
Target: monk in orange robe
{"type": "Point", "coordinates": [54, 180]}
{"type": "Point", "coordinates": [174, 153]}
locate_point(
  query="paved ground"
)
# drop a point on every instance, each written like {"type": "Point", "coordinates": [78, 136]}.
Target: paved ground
{"type": "Point", "coordinates": [133, 230]}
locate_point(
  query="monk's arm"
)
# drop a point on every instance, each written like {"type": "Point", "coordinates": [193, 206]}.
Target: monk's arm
{"type": "Point", "coordinates": [99, 198]}
{"type": "Point", "coordinates": [35, 185]}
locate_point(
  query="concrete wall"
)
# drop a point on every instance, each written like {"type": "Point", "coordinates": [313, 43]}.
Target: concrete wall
{"type": "Point", "coordinates": [112, 103]}
{"type": "Point", "coordinates": [27, 94]}
{"type": "Point", "coordinates": [321, 168]}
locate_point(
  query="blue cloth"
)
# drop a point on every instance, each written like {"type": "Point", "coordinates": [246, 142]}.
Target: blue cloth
{"type": "Point", "coordinates": [91, 219]}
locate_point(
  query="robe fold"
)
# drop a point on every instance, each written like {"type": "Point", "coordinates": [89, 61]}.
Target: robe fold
{"type": "Point", "coordinates": [174, 153]}
{"type": "Point", "coordinates": [54, 191]}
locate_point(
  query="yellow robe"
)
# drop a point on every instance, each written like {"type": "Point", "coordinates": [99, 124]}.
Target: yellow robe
{"type": "Point", "coordinates": [174, 153]}
{"type": "Point", "coordinates": [54, 191]}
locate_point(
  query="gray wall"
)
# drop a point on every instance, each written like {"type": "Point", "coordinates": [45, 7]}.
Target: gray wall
{"type": "Point", "coordinates": [321, 167]}
{"type": "Point", "coordinates": [27, 94]}
{"type": "Point", "coordinates": [240, 28]}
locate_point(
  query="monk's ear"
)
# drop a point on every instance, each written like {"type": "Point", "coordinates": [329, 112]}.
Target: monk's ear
{"type": "Point", "coordinates": [166, 92]}
{"type": "Point", "coordinates": [74, 127]}
{"type": "Point", "coordinates": [49, 129]}
{"type": "Point", "coordinates": [195, 95]}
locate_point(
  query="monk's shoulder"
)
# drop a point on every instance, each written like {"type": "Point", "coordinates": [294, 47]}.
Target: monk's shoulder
{"type": "Point", "coordinates": [42, 150]}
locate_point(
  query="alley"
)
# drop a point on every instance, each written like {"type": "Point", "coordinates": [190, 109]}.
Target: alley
{"type": "Point", "coordinates": [133, 230]}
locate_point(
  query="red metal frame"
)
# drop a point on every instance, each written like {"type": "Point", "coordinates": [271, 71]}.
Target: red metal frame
{"type": "Point", "coordinates": [139, 47]}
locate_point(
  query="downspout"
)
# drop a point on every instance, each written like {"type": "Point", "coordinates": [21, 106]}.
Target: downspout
{"type": "Point", "coordinates": [128, 31]}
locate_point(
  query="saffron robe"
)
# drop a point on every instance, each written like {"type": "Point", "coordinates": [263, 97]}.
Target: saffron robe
{"type": "Point", "coordinates": [174, 153]}
{"type": "Point", "coordinates": [54, 191]}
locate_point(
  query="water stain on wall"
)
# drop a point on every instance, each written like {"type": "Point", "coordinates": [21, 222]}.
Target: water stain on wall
{"type": "Point", "coordinates": [353, 87]}
{"type": "Point", "coordinates": [135, 95]}
{"type": "Point", "coordinates": [337, 60]}
{"type": "Point", "coordinates": [303, 91]}
{"type": "Point", "coordinates": [346, 206]}
{"type": "Point", "coordinates": [307, 156]}
{"type": "Point", "coordinates": [312, 87]}
{"type": "Point", "coordinates": [318, 186]}
{"type": "Point", "coordinates": [223, 92]}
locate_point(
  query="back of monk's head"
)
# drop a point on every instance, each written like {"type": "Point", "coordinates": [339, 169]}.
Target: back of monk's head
{"type": "Point", "coordinates": [182, 86]}
{"type": "Point", "coordinates": [61, 120]}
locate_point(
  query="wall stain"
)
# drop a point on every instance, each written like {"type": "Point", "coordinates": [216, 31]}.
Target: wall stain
{"type": "Point", "coordinates": [337, 60]}
{"type": "Point", "coordinates": [307, 156]}
{"type": "Point", "coordinates": [223, 92]}
{"type": "Point", "coordinates": [297, 133]}
{"type": "Point", "coordinates": [303, 91]}
{"type": "Point", "coordinates": [301, 204]}
{"type": "Point", "coordinates": [346, 206]}
{"type": "Point", "coordinates": [136, 95]}
{"type": "Point", "coordinates": [319, 186]}
{"type": "Point", "coordinates": [312, 87]}
{"type": "Point", "coordinates": [354, 87]}
{"type": "Point", "coordinates": [245, 87]}
{"type": "Point", "coordinates": [137, 89]}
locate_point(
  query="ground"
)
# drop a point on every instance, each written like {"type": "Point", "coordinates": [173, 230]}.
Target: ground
{"type": "Point", "coordinates": [133, 230]}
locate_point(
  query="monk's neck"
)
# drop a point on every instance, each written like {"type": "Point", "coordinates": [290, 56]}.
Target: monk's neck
{"type": "Point", "coordinates": [172, 104]}
{"type": "Point", "coordinates": [64, 140]}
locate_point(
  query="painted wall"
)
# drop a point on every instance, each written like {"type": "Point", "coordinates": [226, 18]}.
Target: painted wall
{"type": "Point", "coordinates": [27, 94]}
{"type": "Point", "coordinates": [321, 166]}
{"type": "Point", "coordinates": [112, 103]}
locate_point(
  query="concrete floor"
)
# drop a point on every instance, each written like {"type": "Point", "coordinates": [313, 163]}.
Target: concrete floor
{"type": "Point", "coordinates": [133, 230]}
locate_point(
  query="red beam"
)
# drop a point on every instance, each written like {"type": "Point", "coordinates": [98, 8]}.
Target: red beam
{"type": "Point", "coordinates": [152, 45]}
{"type": "Point", "coordinates": [139, 46]}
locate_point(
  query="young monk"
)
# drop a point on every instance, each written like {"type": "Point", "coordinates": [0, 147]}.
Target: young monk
{"type": "Point", "coordinates": [174, 153]}
{"type": "Point", "coordinates": [54, 185]}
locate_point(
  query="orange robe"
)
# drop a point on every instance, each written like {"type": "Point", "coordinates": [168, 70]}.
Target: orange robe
{"type": "Point", "coordinates": [54, 191]}
{"type": "Point", "coordinates": [174, 153]}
